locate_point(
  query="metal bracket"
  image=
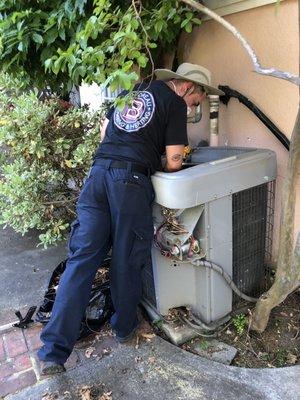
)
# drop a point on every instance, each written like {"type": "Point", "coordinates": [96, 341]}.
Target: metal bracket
{"type": "Point", "coordinates": [24, 321]}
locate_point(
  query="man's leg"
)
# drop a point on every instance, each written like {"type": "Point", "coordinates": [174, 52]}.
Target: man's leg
{"type": "Point", "coordinates": [88, 245]}
{"type": "Point", "coordinates": [130, 198]}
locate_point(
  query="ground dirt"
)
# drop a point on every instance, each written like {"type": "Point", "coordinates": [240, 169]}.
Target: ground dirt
{"type": "Point", "coordinates": [277, 346]}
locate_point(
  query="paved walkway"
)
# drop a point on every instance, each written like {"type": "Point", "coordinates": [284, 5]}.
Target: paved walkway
{"type": "Point", "coordinates": [151, 369]}
{"type": "Point", "coordinates": [24, 271]}
{"type": "Point", "coordinates": [20, 367]}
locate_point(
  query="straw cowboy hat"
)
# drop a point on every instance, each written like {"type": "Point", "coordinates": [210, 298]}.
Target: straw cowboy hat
{"type": "Point", "coordinates": [190, 72]}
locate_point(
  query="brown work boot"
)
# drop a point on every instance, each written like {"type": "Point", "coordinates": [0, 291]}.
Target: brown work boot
{"type": "Point", "coordinates": [51, 368]}
{"type": "Point", "coordinates": [125, 339]}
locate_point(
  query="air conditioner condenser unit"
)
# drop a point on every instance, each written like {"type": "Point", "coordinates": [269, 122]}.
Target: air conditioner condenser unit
{"type": "Point", "coordinates": [226, 196]}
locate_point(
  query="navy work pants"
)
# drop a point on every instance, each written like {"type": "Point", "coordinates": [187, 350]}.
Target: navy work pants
{"type": "Point", "coordinates": [114, 209]}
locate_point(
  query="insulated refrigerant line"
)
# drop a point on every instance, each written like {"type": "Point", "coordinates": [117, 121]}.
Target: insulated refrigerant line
{"type": "Point", "coordinates": [217, 268]}
{"type": "Point", "coordinates": [199, 325]}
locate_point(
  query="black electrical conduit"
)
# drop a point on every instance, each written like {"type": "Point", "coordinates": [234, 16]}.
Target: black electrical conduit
{"type": "Point", "coordinates": [230, 93]}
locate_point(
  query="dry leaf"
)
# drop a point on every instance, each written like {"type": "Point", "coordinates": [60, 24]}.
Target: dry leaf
{"type": "Point", "coordinates": [148, 336]}
{"type": "Point", "coordinates": [69, 163]}
{"type": "Point", "coordinates": [49, 396]}
{"type": "Point", "coordinates": [283, 314]}
{"type": "Point", "coordinates": [291, 358]}
{"type": "Point", "coordinates": [262, 354]}
{"type": "Point", "coordinates": [89, 352]}
{"type": "Point", "coordinates": [106, 396]}
{"type": "Point", "coordinates": [151, 359]}
{"type": "Point", "coordinates": [85, 393]}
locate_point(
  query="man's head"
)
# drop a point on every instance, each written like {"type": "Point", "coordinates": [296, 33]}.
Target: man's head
{"type": "Point", "coordinates": [188, 74]}
{"type": "Point", "coordinates": [191, 82]}
{"type": "Point", "coordinates": [192, 93]}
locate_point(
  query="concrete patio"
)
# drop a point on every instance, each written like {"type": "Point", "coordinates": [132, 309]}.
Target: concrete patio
{"type": "Point", "coordinates": [151, 369]}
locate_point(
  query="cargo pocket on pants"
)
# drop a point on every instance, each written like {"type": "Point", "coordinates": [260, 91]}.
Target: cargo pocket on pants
{"type": "Point", "coordinates": [140, 254]}
{"type": "Point", "coordinates": [71, 243]}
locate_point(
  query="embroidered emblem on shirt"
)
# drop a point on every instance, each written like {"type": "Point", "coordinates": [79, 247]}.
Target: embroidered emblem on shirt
{"type": "Point", "coordinates": [138, 115]}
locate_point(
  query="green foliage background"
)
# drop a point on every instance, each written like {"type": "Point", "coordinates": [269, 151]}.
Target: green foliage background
{"type": "Point", "coordinates": [61, 43]}
{"type": "Point", "coordinates": [46, 149]}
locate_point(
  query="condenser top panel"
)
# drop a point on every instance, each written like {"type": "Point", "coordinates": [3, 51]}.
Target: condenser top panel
{"type": "Point", "coordinates": [212, 173]}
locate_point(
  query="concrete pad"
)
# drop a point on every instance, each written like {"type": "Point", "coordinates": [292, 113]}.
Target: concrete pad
{"type": "Point", "coordinates": [158, 370]}
{"type": "Point", "coordinates": [178, 334]}
{"type": "Point", "coordinates": [24, 271]}
{"type": "Point", "coordinates": [214, 350]}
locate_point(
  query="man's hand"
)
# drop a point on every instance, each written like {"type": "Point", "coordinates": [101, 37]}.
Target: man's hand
{"type": "Point", "coordinates": [174, 155]}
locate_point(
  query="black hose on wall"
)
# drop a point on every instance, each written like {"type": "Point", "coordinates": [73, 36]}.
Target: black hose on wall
{"type": "Point", "coordinates": [230, 93]}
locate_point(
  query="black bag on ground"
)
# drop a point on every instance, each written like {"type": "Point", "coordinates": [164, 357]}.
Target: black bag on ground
{"type": "Point", "coordinates": [99, 309]}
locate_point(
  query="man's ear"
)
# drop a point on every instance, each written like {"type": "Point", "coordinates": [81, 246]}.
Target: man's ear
{"type": "Point", "coordinates": [186, 87]}
{"type": "Point", "coordinates": [190, 87]}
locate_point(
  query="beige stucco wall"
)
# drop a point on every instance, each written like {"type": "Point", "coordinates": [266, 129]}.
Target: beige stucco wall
{"type": "Point", "coordinates": [275, 38]}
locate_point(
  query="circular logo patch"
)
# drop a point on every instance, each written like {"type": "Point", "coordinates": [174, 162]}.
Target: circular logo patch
{"type": "Point", "coordinates": [138, 115]}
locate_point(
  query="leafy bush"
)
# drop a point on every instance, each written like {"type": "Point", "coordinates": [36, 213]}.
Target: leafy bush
{"type": "Point", "coordinates": [46, 151]}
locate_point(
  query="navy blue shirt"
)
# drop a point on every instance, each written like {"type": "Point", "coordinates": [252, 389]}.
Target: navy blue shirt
{"type": "Point", "coordinates": [140, 133]}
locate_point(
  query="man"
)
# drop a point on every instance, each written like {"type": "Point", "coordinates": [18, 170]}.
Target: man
{"type": "Point", "coordinates": [114, 207]}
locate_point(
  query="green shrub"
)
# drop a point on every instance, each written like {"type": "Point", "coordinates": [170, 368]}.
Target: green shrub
{"type": "Point", "coordinates": [46, 151]}
{"type": "Point", "coordinates": [240, 323]}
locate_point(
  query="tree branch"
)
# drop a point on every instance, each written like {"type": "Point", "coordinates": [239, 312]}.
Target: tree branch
{"type": "Point", "coordinates": [257, 66]}
{"type": "Point", "coordinates": [138, 16]}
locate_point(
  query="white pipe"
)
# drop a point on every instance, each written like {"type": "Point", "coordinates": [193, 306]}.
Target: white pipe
{"type": "Point", "coordinates": [8, 327]}
{"type": "Point", "coordinates": [214, 103]}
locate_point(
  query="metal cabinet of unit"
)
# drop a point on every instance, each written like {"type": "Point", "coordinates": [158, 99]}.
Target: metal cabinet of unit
{"type": "Point", "coordinates": [235, 188]}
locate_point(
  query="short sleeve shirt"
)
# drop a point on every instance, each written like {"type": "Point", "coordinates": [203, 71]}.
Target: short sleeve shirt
{"type": "Point", "coordinates": [156, 118]}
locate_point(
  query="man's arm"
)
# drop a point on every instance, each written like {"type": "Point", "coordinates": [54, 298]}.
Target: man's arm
{"type": "Point", "coordinates": [174, 156]}
{"type": "Point", "coordinates": [103, 129]}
